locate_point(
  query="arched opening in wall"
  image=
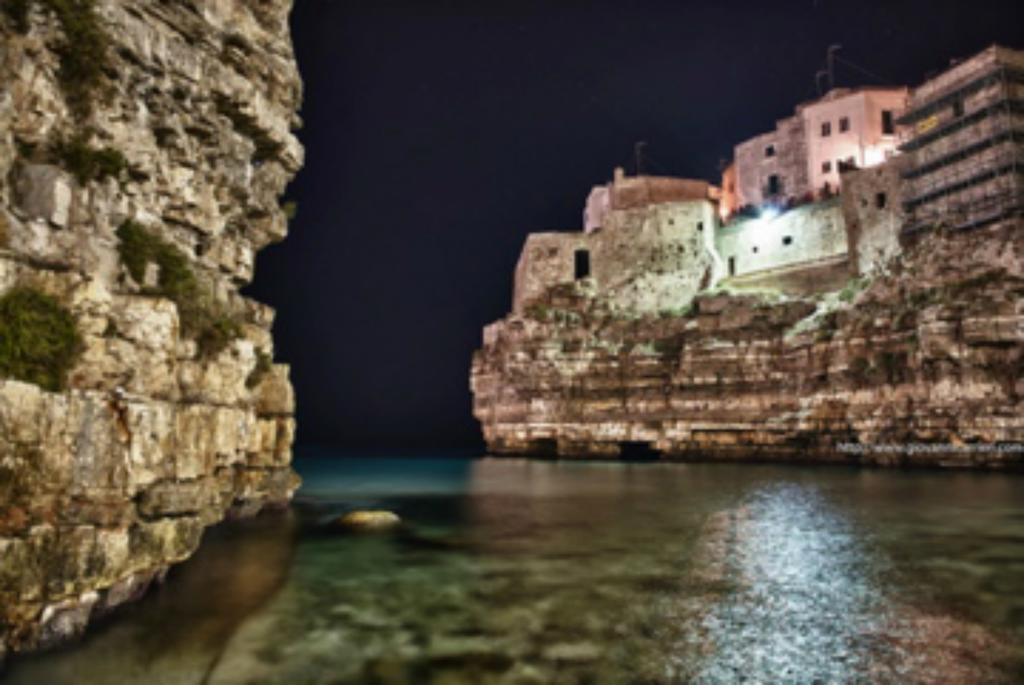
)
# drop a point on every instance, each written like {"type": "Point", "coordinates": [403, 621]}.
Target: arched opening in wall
{"type": "Point", "coordinates": [543, 447]}
{"type": "Point", "coordinates": [582, 263]}
{"type": "Point", "coordinates": [638, 451]}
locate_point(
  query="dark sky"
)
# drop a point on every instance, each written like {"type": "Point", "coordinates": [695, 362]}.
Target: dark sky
{"type": "Point", "coordinates": [438, 134]}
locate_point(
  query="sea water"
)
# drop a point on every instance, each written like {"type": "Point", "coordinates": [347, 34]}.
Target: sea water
{"type": "Point", "coordinates": [517, 571]}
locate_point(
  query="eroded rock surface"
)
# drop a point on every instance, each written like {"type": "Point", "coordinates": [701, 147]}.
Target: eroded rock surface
{"type": "Point", "coordinates": [930, 353]}
{"type": "Point", "coordinates": [106, 483]}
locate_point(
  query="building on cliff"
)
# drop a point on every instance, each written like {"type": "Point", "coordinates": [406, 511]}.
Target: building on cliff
{"type": "Point", "coordinates": [652, 243]}
{"type": "Point", "coordinates": [648, 245]}
{"type": "Point", "coordinates": [133, 199]}
{"type": "Point", "coordinates": [615, 344]}
{"type": "Point", "coordinates": [805, 153]}
{"type": "Point", "coordinates": [965, 144]}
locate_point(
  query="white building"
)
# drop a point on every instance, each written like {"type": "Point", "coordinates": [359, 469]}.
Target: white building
{"type": "Point", "coordinates": [803, 155]}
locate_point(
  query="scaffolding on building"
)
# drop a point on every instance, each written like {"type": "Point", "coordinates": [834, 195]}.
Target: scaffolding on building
{"type": "Point", "coordinates": [979, 180]}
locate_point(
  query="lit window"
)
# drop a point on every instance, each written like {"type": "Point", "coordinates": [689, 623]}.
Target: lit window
{"type": "Point", "coordinates": [844, 124]}
{"type": "Point", "coordinates": [826, 129]}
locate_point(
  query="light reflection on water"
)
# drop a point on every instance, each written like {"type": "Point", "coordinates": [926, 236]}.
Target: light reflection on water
{"type": "Point", "coordinates": [514, 571]}
{"type": "Point", "coordinates": [805, 596]}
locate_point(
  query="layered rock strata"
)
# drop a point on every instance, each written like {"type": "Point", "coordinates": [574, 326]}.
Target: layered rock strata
{"type": "Point", "coordinates": [922, 365]}
{"type": "Point", "coordinates": [176, 118]}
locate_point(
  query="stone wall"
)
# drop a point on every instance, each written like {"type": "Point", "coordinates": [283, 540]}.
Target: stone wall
{"type": "Point", "coordinates": [931, 353]}
{"type": "Point", "coordinates": [647, 259]}
{"type": "Point", "coordinates": [805, 235]}
{"type": "Point", "coordinates": [185, 133]}
{"type": "Point", "coordinates": [873, 210]}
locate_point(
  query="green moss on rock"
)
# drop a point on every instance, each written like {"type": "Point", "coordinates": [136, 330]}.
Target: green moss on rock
{"type": "Point", "coordinates": [88, 163]}
{"type": "Point", "coordinates": [290, 208]}
{"type": "Point", "coordinates": [39, 341]}
{"type": "Point", "coordinates": [201, 320]}
{"type": "Point", "coordinates": [264, 363]}
{"type": "Point", "coordinates": [83, 52]}
{"type": "Point", "coordinates": [17, 12]}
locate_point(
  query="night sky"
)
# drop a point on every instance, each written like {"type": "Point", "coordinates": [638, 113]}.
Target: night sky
{"type": "Point", "coordinates": [438, 134]}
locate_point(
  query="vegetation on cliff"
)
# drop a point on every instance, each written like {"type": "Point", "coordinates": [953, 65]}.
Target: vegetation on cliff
{"type": "Point", "coordinates": [264, 363]}
{"type": "Point", "coordinates": [88, 163]}
{"type": "Point", "coordinates": [82, 52]}
{"type": "Point", "coordinates": [39, 340]}
{"type": "Point", "coordinates": [201, 319]}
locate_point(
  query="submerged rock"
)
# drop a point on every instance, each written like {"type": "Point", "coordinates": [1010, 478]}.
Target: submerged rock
{"type": "Point", "coordinates": [368, 520]}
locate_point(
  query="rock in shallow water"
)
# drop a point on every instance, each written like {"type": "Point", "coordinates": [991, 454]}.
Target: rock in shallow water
{"type": "Point", "coordinates": [370, 520]}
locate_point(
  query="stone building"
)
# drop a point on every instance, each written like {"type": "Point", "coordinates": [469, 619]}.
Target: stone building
{"type": "Point", "coordinates": [805, 152]}
{"type": "Point", "coordinates": [648, 246]}
{"type": "Point", "coordinates": [873, 214]}
{"type": "Point", "coordinates": [965, 144]}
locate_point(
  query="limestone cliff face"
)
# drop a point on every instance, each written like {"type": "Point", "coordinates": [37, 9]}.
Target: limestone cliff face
{"type": "Point", "coordinates": [931, 351]}
{"type": "Point", "coordinates": [144, 146]}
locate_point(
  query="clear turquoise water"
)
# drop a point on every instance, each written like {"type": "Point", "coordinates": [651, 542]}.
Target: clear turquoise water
{"type": "Point", "coordinates": [511, 571]}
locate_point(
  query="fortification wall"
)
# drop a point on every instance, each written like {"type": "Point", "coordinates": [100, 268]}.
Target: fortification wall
{"type": "Point", "coordinates": [807, 234]}
{"type": "Point", "coordinates": [642, 260]}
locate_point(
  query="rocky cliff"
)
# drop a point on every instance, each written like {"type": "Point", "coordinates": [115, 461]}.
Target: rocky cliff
{"type": "Point", "coordinates": [144, 146]}
{"type": "Point", "coordinates": [930, 353]}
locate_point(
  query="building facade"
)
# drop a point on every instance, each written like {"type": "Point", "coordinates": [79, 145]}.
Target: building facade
{"type": "Point", "coordinates": [648, 246]}
{"type": "Point", "coordinates": [802, 158]}
{"type": "Point", "coordinates": [965, 144]}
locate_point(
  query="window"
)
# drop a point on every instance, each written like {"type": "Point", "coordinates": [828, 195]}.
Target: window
{"type": "Point", "coordinates": [754, 249]}
{"type": "Point", "coordinates": [826, 129]}
{"type": "Point", "coordinates": [582, 264]}
{"type": "Point", "coordinates": [888, 124]}
{"type": "Point", "coordinates": [880, 200]}
{"type": "Point", "coordinates": [732, 266]}
{"type": "Point", "coordinates": [700, 225]}
{"type": "Point", "coordinates": [844, 124]}
{"type": "Point", "coordinates": [826, 166]}
{"type": "Point", "coordinates": [958, 108]}
{"type": "Point", "coordinates": [769, 151]}
{"type": "Point", "coordinates": [787, 240]}
{"type": "Point", "coordinates": [774, 185]}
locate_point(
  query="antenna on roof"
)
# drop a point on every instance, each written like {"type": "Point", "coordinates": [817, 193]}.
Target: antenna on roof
{"type": "Point", "coordinates": [638, 154]}
{"type": "Point", "coordinates": [830, 58]}
{"type": "Point", "coordinates": [817, 80]}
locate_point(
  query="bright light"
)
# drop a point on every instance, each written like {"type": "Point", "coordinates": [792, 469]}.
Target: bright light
{"type": "Point", "coordinates": [768, 213]}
